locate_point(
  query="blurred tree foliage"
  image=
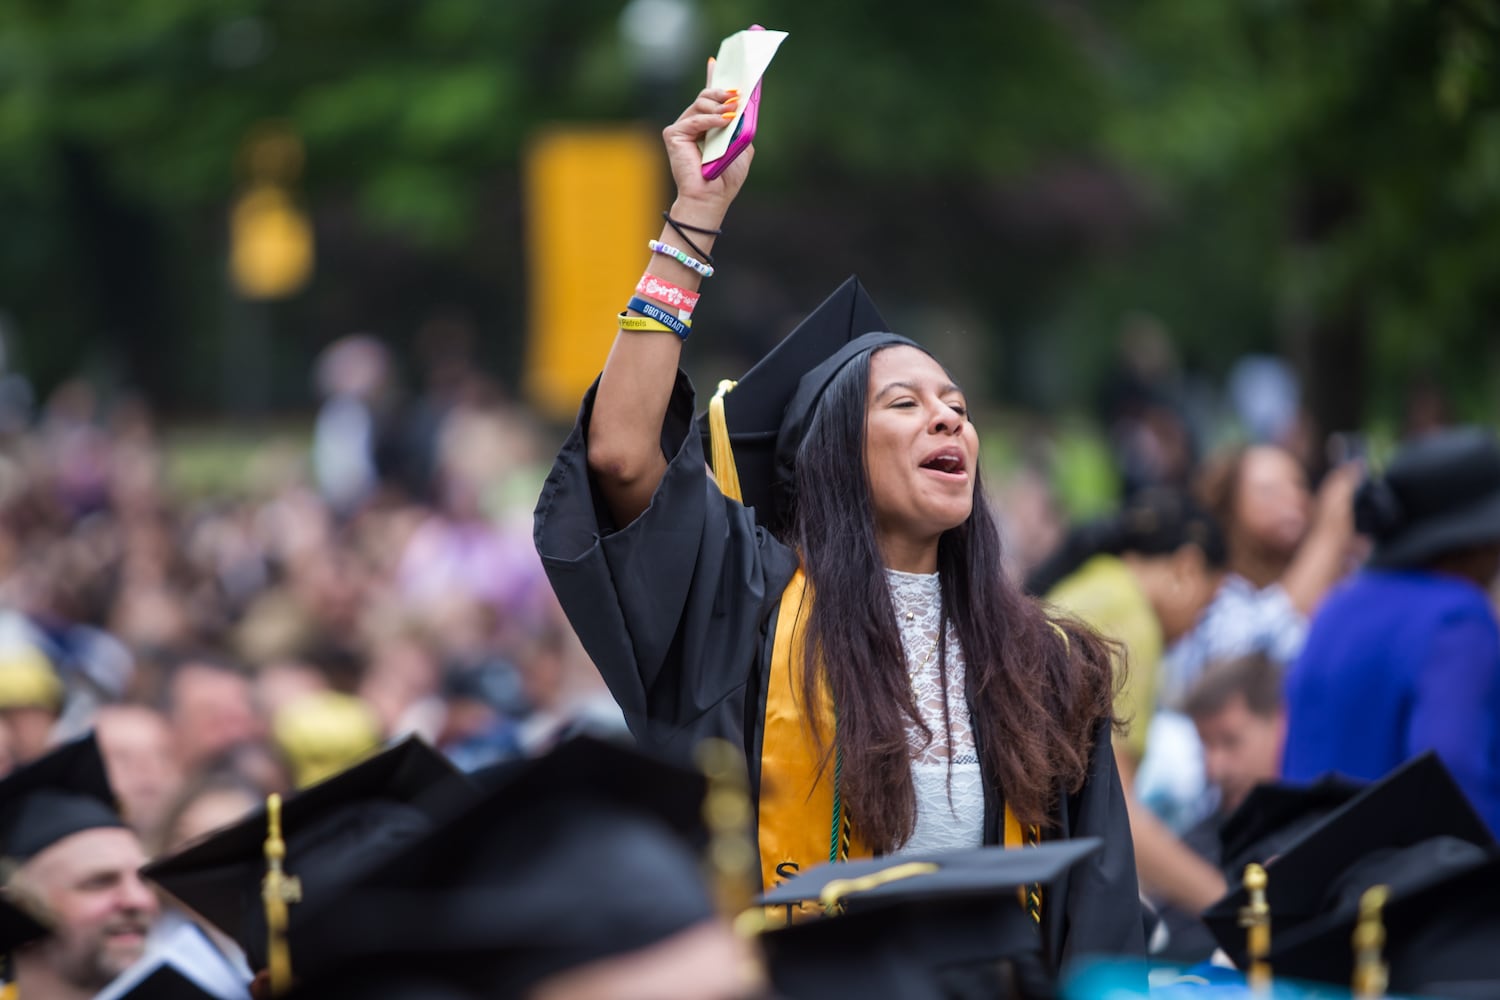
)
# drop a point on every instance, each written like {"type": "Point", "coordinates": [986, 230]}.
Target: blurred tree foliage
{"type": "Point", "coordinates": [1310, 176]}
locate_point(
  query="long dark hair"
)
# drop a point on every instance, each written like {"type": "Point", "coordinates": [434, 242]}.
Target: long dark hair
{"type": "Point", "coordinates": [1036, 688]}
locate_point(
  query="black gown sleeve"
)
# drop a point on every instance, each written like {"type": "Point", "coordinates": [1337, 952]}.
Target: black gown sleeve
{"type": "Point", "coordinates": [1102, 914]}
{"type": "Point", "coordinates": [672, 607]}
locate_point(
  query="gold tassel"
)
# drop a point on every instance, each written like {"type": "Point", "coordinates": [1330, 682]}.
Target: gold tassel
{"type": "Point", "coordinates": [733, 862]}
{"type": "Point", "coordinates": [721, 454]}
{"type": "Point", "coordinates": [833, 894]}
{"type": "Point", "coordinates": [1370, 971]}
{"type": "Point", "coordinates": [277, 891]}
{"type": "Point", "coordinates": [1256, 919]}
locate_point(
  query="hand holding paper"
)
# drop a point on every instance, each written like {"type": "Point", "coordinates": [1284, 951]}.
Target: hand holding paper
{"type": "Point", "coordinates": [743, 59]}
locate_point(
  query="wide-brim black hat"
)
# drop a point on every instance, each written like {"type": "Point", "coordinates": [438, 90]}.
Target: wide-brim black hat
{"type": "Point", "coordinates": [1439, 494]}
{"type": "Point", "coordinates": [768, 412]}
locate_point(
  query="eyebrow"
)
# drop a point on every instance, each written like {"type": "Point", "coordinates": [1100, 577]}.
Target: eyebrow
{"type": "Point", "coordinates": [889, 387]}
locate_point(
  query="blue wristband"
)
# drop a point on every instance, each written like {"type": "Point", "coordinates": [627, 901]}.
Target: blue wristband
{"type": "Point", "coordinates": [659, 314]}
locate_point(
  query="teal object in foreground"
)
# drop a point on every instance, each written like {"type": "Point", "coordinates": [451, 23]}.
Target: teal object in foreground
{"type": "Point", "coordinates": [1105, 980]}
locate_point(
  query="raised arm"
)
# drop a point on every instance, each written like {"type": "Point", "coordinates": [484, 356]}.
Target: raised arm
{"type": "Point", "coordinates": [1323, 558]}
{"type": "Point", "coordinates": [624, 437]}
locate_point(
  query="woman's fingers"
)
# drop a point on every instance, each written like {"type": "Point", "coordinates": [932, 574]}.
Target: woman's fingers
{"type": "Point", "coordinates": [713, 101]}
{"type": "Point", "coordinates": [696, 125]}
{"type": "Point", "coordinates": [713, 109]}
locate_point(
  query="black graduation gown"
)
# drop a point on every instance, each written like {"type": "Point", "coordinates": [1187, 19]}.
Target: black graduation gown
{"type": "Point", "coordinates": [678, 610]}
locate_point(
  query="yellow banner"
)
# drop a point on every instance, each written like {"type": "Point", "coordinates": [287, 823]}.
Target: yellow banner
{"type": "Point", "coordinates": [593, 197]}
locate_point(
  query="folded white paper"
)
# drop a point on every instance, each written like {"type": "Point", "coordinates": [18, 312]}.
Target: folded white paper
{"type": "Point", "coordinates": [742, 60]}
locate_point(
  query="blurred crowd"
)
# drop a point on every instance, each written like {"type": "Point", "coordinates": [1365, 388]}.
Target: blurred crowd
{"type": "Point", "coordinates": [1285, 607]}
{"type": "Point", "coordinates": [230, 646]}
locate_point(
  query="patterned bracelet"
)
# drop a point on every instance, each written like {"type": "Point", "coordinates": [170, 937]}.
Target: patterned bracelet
{"type": "Point", "coordinates": [656, 312]}
{"type": "Point", "coordinates": [667, 250]}
{"type": "Point", "coordinates": [668, 294]}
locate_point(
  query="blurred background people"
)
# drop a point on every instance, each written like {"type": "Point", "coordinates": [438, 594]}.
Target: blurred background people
{"type": "Point", "coordinates": [1142, 578]}
{"type": "Point", "coordinates": [1284, 548]}
{"type": "Point", "coordinates": [145, 769]}
{"type": "Point", "coordinates": [1240, 714]}
{"type": "Point", "coordinates": [1405, 657]}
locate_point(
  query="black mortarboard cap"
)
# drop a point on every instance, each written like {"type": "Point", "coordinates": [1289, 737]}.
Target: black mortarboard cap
{"type": "Point", "coordinates": [333, 830]}
{"type": "Point", "coordinates": [585, 853]}
{"type": "Point", "coordinates": [768, 411]}
{"type": "Point", "coordinates": [1441, 921]}
{"type": "Point", "coordinates": [1276, 815]}
{"type": "Point", "coordinates": [959, 930]}
{"type": "Point", "coordinates": [57, 795]}
{"type": "Point", "coordinates": [1417, 801]}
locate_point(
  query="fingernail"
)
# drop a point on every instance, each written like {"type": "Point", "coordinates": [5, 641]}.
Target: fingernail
{"type": "Point", "coordinates": [732, 92]}
{"type": "Point", "coordinates": [732, 100]}
{"type": "Point", "coordinates": [727, 115]}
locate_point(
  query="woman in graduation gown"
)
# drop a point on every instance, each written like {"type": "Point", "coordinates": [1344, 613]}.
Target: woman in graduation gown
{"type": "Point", "coordinates": [943, 709]}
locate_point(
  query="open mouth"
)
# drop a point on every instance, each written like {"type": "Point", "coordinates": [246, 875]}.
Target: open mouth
{"type": "Point", "coordinates": [949, 461]}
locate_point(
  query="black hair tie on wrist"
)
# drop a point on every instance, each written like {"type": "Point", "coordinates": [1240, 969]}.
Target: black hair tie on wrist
{"type": "Point", "coordinates": [681, 228]}
{"type": "Point", "coordinates": [693, 229]}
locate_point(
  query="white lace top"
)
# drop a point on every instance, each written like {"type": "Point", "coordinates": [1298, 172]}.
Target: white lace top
{"type": "Point", "coordinates": [945, 769]}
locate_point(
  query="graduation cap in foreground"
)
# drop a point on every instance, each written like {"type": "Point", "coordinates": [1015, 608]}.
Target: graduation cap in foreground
{"type": "Point", "coordinates": [920, 926]}
{"type": "Point", "coordinates": [333, 830]}
{"type": "Point", "coordinates": [1276, 815]}
{"type": "Point", "coordinates": [1416, 802]}
{"type": "Point", "coordinates": [57, 795]}
{"type": "Point", "coordinates": [1441, 918]}
{"type": "Point", "coordinates": [768, 412]}
{"type": "Point", "coordinates": [581, 855]}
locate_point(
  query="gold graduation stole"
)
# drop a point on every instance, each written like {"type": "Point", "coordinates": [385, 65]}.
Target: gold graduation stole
{"type": "Point", "coordinates": [802, 821]}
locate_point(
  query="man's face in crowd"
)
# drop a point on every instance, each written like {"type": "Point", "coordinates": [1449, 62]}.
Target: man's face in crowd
{"type": "Point", "coordinates": [213, 710]}
{"type": "Point", "coordinates": [1240, 749]}
{"type": "Point", "coordinates": [141, 756]}
{"type": "Point", "coordinates": [103, 909]}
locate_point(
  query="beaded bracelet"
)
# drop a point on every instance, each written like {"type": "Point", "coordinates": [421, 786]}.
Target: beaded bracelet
{"type": "Point", "coordinates": [653, 287]}
{"type": "Point", "coordinates": [642, 324]}
{"type": "Point", "coordinates": [667, 250]}
{"type": "Point", "coordinates": [659, 314]}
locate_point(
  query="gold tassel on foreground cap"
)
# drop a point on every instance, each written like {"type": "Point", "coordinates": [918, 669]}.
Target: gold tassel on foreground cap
{"type": "Point", "coordinates": [1256, 918]}
{"type": "Point", "coordinates": [722, 455]}
{"type": "Point", "coordinates": [733, 862]}
{"type": "Point", "coordinates": [834, 893]}
{"type": "Point", "coordinates": [1370, 972]}
{"type": "Point", "coordinates": [726, 815]}
{"type": "Point", "coordinates": [278, 890]}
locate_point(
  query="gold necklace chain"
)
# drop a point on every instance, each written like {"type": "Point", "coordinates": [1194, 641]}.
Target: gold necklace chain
{"type": "Point", "coordinates": [936, 643]}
